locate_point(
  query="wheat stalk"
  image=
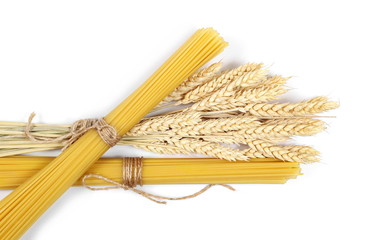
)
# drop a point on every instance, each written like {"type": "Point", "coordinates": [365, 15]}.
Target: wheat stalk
{"type": "Point", "coordinates": [268, 149]}
{"type": "Point", "coordinates": [245, 96]}
{"type": "Point", "coordinates": [209, 149]}
{"type": "Point", "coordinates": [160, 148]}
{"type": "Point", "coordinates": [248, 79]}
{"type": "Point", "coordinates": [164, 123]}
{"type": "Point", "coordinates": [197, 79]}
{"type": "Point", "coordinates": [315, 105]}
{"type": "Point", "coordinates": [302, 150]}
{"type": "Point", "coordinates": [282, 128]}
{"type": "Point", "coordinates": [208, 88]}
{"type": "Point", "coordinates": [223, 139]}
{"type": "Point", "coordinates": [216, 126]}
{"type": "Point", "coordinates": [296, 120]}
{"type": "Point", "coordinates": [253, 153]}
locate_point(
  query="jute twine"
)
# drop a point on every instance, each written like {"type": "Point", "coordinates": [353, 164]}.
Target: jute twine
{"type": "Point", "coordinates": [132, 176]}
{"type": "Point", "coordinates": [78, 128]}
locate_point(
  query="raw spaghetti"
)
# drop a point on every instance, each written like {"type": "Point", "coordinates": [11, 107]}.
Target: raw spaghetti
{"type": "Point", "coordinates": [20, 209]}
{"type": "Point", "coordinates": [16, 170]}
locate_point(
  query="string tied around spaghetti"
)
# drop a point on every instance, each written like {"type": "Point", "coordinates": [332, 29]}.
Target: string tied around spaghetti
{"type": "Point", "coordinates": [132, 176]}
{"type": "Point", "coordinates": [77, 129]}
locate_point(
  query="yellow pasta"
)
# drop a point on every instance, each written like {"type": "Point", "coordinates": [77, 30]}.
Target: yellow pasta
{"type": "Point", "coordinates": [15, 170]}
{"type": "Point", "coordinates": [20, 209]}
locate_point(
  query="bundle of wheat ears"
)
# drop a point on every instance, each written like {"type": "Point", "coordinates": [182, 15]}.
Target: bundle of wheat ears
{"type": "Point", "coordinates": [230, 115]}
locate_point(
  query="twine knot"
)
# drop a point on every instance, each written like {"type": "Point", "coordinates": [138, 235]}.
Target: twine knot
{"type": "Point", "coordinates": [132, 176]}
{"type": "Point", "coordinates": [78, 128]}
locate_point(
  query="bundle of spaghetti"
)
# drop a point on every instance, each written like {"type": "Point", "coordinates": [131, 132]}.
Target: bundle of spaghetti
{"type": "Point", "coordinates": [15, 170]}
{"type": "Point", "coordinates": [20, 209]}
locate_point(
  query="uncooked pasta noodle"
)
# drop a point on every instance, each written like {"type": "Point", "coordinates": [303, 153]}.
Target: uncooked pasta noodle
{"type": "Point", "coordinates": [20, 209]}
{"type": "Point", "coordinates": [16, 170]}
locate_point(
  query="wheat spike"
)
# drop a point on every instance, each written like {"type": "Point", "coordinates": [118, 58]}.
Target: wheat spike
{"type": "Point", "coordinates": [224, 139]}
{"type": "Point", "coordinates": [154, 139]}
{"type": "Point", "coordinates": [253, 153]}
{"type": "Point", "coordinates": [229, 90]}
{"type": "Point", "coordinates": [298, 120]}
{"type": "Point", "coordinates": [197, 79]}
{"type": "Point", "coordinates": [161, 148]}
{"type": "Point", "coordinates": [282, 128]}
{"type": "Point", "coordinates": [275, 80]}
{"type": "Point", "coordinates": [210, 149]}
{"type": "Point", "coordinates": [241, 140]}
{"type": "Point", "coordinates": [267, 90]}
{"type": "Point", "coordinates": [216, 126]}
{"type": "Point", "coordinates": [243, 97]}
{"type": "Point", "coordinates": [269, 150]}
{"type": "Point", "coordinates": [315, 105]}
{"type": "Point", "coordinates": [216, 83]}
{"type": "Point", "coordinates": [276, 140]}
{"type": "Point", "coordinates": [302, 149]}
{"type": "Point", "coordinates": [164, 123]}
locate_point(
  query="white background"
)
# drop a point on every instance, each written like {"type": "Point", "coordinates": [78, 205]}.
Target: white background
{"type": "Point", "coordinates": [68, 60]}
